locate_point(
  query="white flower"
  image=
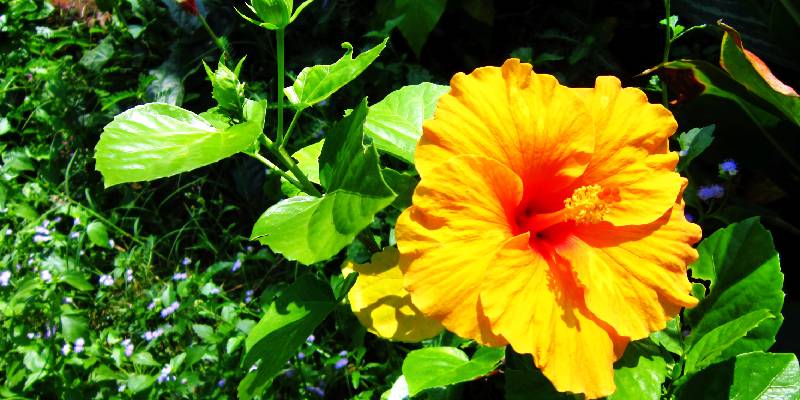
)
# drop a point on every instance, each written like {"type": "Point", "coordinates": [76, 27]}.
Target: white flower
{"type": "Point", "coordinates": [79, 342]}
{"type": "Point", "coordinates": [65, 349]}
{"type": "Point", "coordinates": [46, 276]}
{"type": "Point", "coordinates": [106, 280]}
{"type": "Point", "coordinates": [129, 275]}
{"type": "Point", "coordinates": [5, 276]}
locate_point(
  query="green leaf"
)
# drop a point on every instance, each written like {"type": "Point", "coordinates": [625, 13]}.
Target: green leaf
{"type": "Point", "coordinates": [317, 83]}
{"type": "Point", "coordinates": [73, 325]}
{"type": "Point", "coordinates": [710, 347]}
{"type": "Point", "coordinates": [284, 327]}
{"type": "Point", "coordinates": [206, 333]}
{"type": "Point", "coordinates": [670, 337]}
{"type": "Point", "coordinates": [748, 376]}
{"type": "Point", "coordinates": [104, 373]}
{"type": "Point", "coordinates": [747, 69]}
{"type": "Point", "coordinates": [157, 140]}
{"type": "Point", "coordinates": [76, 280]}
{"type": "Point", "coordinates": [401, 183]}
{"type": "Point", "coordinates": [421, 16]}
{"type": "Point", "coordinates": [95, 58]}
{"type": "Point", "coordinates": [693, 143]}
{"type": "Point", "coordinates": [640, 372]}
{"type": "Point", "coordinates": [441, 366]}
{"type": "Point", "coordinates": [98, 234]}
{"type": "Point", "coordinates": [144, 358]}
{"type": "Point", "coordinates": [395, 123]}
{"type": "Point", "coordinates": [312, 229]}
{"type": "Point", "coordinates": [745, 274]}
{"type": "Point", "coordinates": [226, 88]}
{"type": "Point", "coordinates": [138, 383]}
{"type": "Point", "coordinates": [308, 162]}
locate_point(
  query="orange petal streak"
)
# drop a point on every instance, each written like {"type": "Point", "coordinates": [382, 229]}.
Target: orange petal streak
{"type": "Point", "coordinates": [446, 240]}
{"type": "Point", "coordinates": [634, 277]}
{"type": "Point", "coordinates": [534, 303]}
{"type": "Point", "coordinates": [538, 128]}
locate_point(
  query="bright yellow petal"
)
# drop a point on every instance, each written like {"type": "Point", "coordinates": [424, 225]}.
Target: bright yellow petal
{"type": "Point", "coordinates": [628, 131]}
{"type": "Point", "coordinates": [447, 238]}
{"type": "Point", "coordinates": [534, 303]}
{"type": "Point", "coordinates": [647, 189]}
{"type": "Point", "coordinates": [382, 305]}
{"type": "Point", "coordinates": [527, 121]}
{"type": "Point", "coordinates": [634, 277]}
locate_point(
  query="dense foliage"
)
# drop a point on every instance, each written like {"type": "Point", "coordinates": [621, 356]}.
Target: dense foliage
{"type": "Point", "coordinates": [166, 231]}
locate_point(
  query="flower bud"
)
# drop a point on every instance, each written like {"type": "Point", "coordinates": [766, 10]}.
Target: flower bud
{"type": "Point", "coordinates": [274, 13]}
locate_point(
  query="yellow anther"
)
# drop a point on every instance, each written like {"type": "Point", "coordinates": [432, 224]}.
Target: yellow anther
{"type": "Point", "coordinates": [589, 204]}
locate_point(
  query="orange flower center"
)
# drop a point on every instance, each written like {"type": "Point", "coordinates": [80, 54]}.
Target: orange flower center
{"type": "Point", "coordinates": [587, 205]}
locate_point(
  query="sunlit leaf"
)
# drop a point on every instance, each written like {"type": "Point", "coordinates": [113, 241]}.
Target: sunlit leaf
{"type": "Point", "coordinates": [747, 69]}
{"type": "Point", "coordinates": [640, 372]}
{"type": "Point", "coordinates": [742, 265]}
{"type": "Point", "coordinates": [710, 347]}
{"type": "Point", "coordinates": [158, 140]}
{"type": "Point", "coordinates": [754, 375]}
{"type": "Point", "coordinates": [312, 229]}
{"type": "Point", "coordinates": [441, 366]}
{"type": "Point", "coordinates": [317, 83]}
{"type": "Point", "coordinates": [395, 123]}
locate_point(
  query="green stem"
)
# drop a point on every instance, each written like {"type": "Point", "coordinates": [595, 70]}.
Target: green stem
{"type": "Point", "coordinates": [667, 45]}
{"type": "Point", "coordinates": [284, 157]}
{"type": "Point", "coordinates": [280, 38]}
{"type": "Point", "coordinates": [290, 128]}
{"type": "Point", "coordinates": [275, 168]}
{"type": "Point", "coordinates": [214, 36]}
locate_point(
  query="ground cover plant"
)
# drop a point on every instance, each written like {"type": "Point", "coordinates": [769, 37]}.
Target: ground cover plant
{"type": "Point", "coordinates": [398, 199]}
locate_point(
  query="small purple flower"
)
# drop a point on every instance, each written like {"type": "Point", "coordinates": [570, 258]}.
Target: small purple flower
{"type": "Point", "coordinates": [106, 280]}
{"type": "Point", "coordinates": [343, 353]}
{"type": "Point", "coordinates": [310, 339]}
{"type": "Point", "coordinates": [689, 217]}
{"type": "Point", "coordinates": [111, 243]}
{"type": "Point", "coordinates": [9, 232]}
{"type": "Point", "coordinates": [166, 312]}
{"type": "Point", "coordinates": [165, 374]}
{"type": "Point", "coordinates": [65, 349]}
{"type": "Point", "coordinates": [41, 230]}
{"type": "Point", "coordinates": [129, 275]}
{"type": "Point", "coordinates": [709, 192]}
{"type": "Point", "coordinates": [57, 219]}
{"type": "Point", "coordinates": [236, 265]}
{"type": "Point", "coordinates": [728, 168]}
{"type": "Point", "coordinates": [121, 388]}
{"type": "Point", "coordinates": [221, 383]}
{"type": "Point", "coordinates": [179, 276]}
{"type": "Point", "coordinates": [186, 261]}
{"type": "Point", "coordinates": [74, 235]}
{"type": "Point", "coordinates": [37, 238]}
{"type": "Point", "coordinates": [46, 276]}
{"type": "Point", "coordinates": [301, 355]}
{"type": "Point", "coordinates": [76, 221]}
{"type": "Point", "coordinates": [289, 373]}
{"type": "Point", "coordinates": [128, 347]}
{"type": "Point", "coordinates": [152, 305]}
{"type": "Point", "coordinates": [151, 335]}
{"type": "Point", "coordinates": [316, 390]}
{"type": "Point", "coordinates": [79, 343]}
{"type": "Point", "coordinates": [341, 363]}
{"type": "Point", "coordinates": [5, 276]}
{"type": "Point", "coordinates": [49, 331]}
{"type": "Point", "coordinates": [248, 296]}
{"type": "Point", "coordinates": [249, 249]}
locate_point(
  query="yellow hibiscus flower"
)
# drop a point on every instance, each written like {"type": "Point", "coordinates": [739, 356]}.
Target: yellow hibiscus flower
{"type": "Point", "coordinates": [550, 219]}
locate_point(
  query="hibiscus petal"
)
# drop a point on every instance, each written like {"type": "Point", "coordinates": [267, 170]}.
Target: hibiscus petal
{"type": "Point", "coordinates": [646, 190]}
{"type": "Point", "coordinates": [382, 305]}
{"type": "Point", "coordinates": [634, 277]}
{"type": "Point", "coordinates": [631, 151]}
{"type": "Point", "coordinates": [534, 303]}
{"type": "Point", "coordinates": [527, 121]}
{"type": "Point", "coordinates": [447, 238]}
